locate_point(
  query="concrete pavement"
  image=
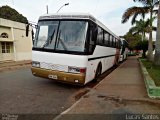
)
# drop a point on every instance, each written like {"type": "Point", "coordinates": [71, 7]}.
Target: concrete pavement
{"type": "Point", "coordinates": [121, 92]}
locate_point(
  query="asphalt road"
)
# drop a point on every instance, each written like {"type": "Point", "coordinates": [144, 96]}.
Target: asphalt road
{"type": "Point", "coordinates": [23, 93]}
{"type": "Point", "coordinates": [35, 98]}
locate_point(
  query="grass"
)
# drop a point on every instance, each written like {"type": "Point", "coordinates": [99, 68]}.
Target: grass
{"type": "Point", "coordinates": [131, 54]}
{"type": "Point", "coordinates": [154, 71]}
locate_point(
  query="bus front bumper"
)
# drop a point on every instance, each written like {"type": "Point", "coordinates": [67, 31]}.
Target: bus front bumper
{"type": "Point", "coordinates": [70, 78]}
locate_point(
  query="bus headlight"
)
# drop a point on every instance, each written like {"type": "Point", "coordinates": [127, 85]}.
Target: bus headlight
{"type": "Point", "coordinates": [76, 70]}
{"type": "Point", "coordinates": [35, 64]}
{"type": "Point", "coordinates": [73, 69]}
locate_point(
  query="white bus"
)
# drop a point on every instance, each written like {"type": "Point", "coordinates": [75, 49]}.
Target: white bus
{"type": "Point", "coordinates": [123, 50]}
{"type": "Point", "coordinates": [73, 48]}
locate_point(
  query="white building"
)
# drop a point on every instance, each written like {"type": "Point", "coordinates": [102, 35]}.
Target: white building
{"type": "Point", "coordinates": [14, 45]}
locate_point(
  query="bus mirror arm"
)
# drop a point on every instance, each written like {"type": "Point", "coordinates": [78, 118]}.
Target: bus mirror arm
{"type": "Point", "coordinates": [32, 32]}
{"type": "Point", "coordinates": [27, 30]}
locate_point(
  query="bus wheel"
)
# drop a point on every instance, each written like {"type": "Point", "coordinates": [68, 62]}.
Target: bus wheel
{"type": "Point", "coordinates": [116, 62]}
{"type": "Point", "coordinates": [98, 72]}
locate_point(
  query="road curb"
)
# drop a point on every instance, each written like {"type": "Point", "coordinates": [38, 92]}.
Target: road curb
{"type": "Point", "coordinates": [152, 90]}
{"type": "Point", "coordinates": [4, 66]}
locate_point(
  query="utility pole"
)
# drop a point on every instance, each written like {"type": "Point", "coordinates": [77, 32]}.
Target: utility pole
{"type": "Point", "coordinates": [47, 8]}
{"type": "Point", "coordinates": [62, 6]}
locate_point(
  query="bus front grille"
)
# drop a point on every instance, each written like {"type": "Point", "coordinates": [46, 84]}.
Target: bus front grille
{"type": "Point", "coordinates": [50, 66]}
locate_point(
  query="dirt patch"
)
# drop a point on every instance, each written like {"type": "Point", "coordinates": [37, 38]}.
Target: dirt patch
{"type": "Point", "coordinates": [81, 93]}
{"type": "Point", "coordinates": [101, 96]}
{"type": "Point", "coordinates": [117, 101]}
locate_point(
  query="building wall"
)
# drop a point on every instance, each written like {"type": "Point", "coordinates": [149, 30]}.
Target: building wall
{"type": "Point", "coordinates": [8, 31]}
{"type": "Point", "coordinates": [21, 45]}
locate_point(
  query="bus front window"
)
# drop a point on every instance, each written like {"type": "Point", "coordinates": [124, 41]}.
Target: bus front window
{"type": "Point", "coordinates": [71, 35]}
{"type": "Point", "coordinates": [46, 34]}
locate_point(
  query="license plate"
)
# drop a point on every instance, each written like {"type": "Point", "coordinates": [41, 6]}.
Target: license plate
{"type": "Point", "coordinates": [52, 76]}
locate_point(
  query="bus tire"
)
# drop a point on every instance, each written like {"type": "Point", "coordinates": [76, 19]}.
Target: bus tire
{"type": "Point", "coordinates": [98, 72]}
{"type": "Point", "coordinates": [116, 62]}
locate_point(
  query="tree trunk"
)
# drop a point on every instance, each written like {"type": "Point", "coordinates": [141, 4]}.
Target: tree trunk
{"type": "Point", "coordinates": [143, 36]}
{"type": "Point", "coordinates": [157, 47]}
{"type": "Point", "coordinates": [144, 54]}
{"type": "Point", "coordinates": [150, 43]}
{"type": "Point", "coordinates": [150, 48]}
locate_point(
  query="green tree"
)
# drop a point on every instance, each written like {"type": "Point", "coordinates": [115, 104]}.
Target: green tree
{"type": "Point", "coordinates": [142, 45]}
{"type": "Point", "coordinates": [7, 12]}
{"type": "Point", "coordinates": [148, 7]}
{"type": "Point", "coordinates": [132, 40]}
{"type": "Point", "coordinates": [142, 27]}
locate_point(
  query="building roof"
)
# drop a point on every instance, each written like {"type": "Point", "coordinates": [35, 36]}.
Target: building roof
{"type": "Point", "coordinates": [10, 23]}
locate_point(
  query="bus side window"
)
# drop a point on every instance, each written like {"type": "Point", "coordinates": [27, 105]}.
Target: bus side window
{"type": "Point", "coordinates": [116, 43]}
{"type": "Point", "coordinates": [106, 39]}
{"type": "Point", "coordinates": [100, 36]}
{"type": "Point", "coordinates": [111, 40]}
{"type": "Point", "coordinates": [93, 37]}
{"type": "Point", "coordinates": [119, 44]}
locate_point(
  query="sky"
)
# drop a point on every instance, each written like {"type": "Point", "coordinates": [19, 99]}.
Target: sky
{"type": "Point", "coordinates": [109, 12]}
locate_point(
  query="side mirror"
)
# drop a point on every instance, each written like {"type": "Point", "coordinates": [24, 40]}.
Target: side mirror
{"type": "Point", "coordinates": [27, 30]}
{"type": "Point", "coordinates": [32, 36]}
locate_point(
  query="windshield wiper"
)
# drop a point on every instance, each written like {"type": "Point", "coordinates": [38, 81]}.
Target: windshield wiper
{"type": "Point", "coordinates": [61, 40]}
{"type": "Point", "coordinates": [57, 42]}
{"type": "Point", "coordinates": [49, 40]}
{"type": "Point", "coordinates": [45, 44]}
{"type": "Point", "coordinates": [51, 37]}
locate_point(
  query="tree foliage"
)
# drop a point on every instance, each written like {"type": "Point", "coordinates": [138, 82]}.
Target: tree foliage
{"type": "Point", "coordinates": [7, 12]}
{"type": "Point", "coordinates": [142, 27]}
{"type": "Point", "coordinates": [132, 40]}
{"type": "Point", "coordinates": [134, 12]}
{"type": "Point", "coordinates": [142, 45]}
{"type": "Point", "coordinates": [135, 42]}
{"type": "Point", "coordinates": [148, 6]}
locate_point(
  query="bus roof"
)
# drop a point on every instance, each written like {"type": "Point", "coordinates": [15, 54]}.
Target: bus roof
{"type": "Point", "coordinates": [76, 16]}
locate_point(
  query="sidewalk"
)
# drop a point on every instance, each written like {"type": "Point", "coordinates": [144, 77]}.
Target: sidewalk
{"type": "Point", "coordinates": [9, 65]}
{"type": "Point", "coordinates": [121, 92]}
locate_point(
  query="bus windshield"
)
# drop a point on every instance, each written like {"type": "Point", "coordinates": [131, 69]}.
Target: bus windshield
{"type": "Point", "coordinates": [61, 35]}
